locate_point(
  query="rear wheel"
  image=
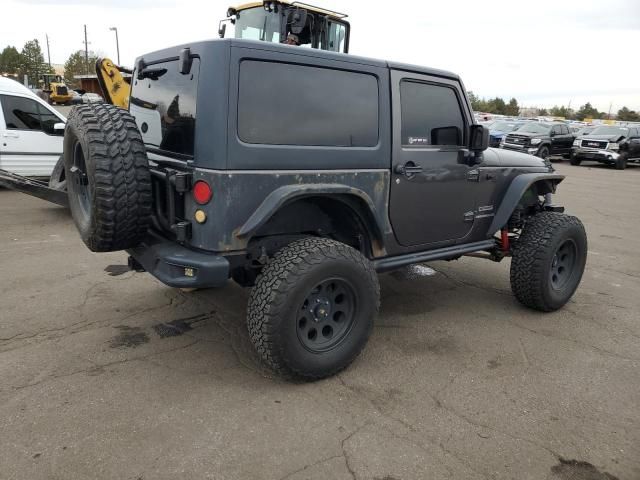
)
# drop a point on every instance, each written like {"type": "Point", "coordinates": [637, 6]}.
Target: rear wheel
{"type": "Point", "coordinates": [312, 309]}
{"type": "Point", "coordinates": [108, 178]}
{"type": "Point", "coordinates": [548, 261]}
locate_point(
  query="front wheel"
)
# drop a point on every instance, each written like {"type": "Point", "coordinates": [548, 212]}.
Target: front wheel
{"type": "Point", "coordinates": [621, 162]}
{"type": "Point", "coordinates": [575, 160]}
{"type": "Point", "coordinates": [548, 261]}
{"type": "Point", "coordinates": [312, 309]}
{"type": "Point", "coordinates": [543, 152]}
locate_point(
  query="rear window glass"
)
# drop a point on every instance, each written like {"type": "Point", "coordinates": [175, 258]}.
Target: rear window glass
{"type": "Point", "coordinates": [285, 104]}
{"type": "Point", "coordinates": [164, 106]}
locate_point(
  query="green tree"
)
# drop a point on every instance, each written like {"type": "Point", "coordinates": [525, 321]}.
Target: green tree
{"type": "Point", "coordinates": [628, 115]}
{"type": "Point", "coordinates": [543, 112]}
{"type": "Point", "coordinates": [512, 108]}
{"type": "Point", "coordinates": [76, 65]}
{"type": "Point", "coordinates": [497, 105]}
{"type": "Point", "coordinates": [587, 111]}
{"type": "Point", "coordinates": [10, 61]}
{"type": "Point", "coordinates": [33, 64]}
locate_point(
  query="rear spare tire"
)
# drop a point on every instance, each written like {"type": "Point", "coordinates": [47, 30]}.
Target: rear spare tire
{"type": "Point", "coordinates": [108, 178]}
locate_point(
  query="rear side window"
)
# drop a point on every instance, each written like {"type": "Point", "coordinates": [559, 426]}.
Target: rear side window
{"type": "Point", "coordinates": [431, 115]}
{"type": "Point", "coordinates": [284, 104]}
{"type": "Point", "coordinates": [25, 114]}
{"type": "Point", "coordinates": [164, 106]}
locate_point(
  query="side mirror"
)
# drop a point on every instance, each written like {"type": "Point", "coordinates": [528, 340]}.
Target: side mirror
{"type": "Point", "coordinates": [222, 28]}
{"type": "Point", "coordinates": [552, 133]}
{"type": "Point", "coordinates": [478, 138]}
{"type": "Point", "coordinates": [58, 128]}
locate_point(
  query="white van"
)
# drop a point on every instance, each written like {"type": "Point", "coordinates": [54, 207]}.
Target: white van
{"type": "Point", "coordinates": [31, 131]}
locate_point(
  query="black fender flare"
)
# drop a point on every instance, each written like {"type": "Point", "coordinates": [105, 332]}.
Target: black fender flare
{"type": "Point", "coordinates": [514, 193]}
{"type": "Point", "coordinates": [288, 193]}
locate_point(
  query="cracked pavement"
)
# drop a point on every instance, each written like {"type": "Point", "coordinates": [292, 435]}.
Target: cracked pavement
{"type": "Point", "coordinates": [109, 374]}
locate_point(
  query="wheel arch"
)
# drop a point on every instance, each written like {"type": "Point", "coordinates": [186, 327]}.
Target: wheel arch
{"type": "Point", "coordinates": [345, 210]}
{"type": "Point", "coordinates": [544, 182]}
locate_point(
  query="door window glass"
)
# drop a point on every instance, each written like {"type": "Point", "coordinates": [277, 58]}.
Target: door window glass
{"type": "Point", "coordinates": [20, 113]}
{"type": "Point", "coordinates": [431, 115]}
{"type": "Point", "coordinates": [48, 120]}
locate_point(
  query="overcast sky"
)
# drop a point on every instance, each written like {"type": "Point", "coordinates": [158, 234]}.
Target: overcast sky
{"type": "Point", "coordinates": [543, 52]}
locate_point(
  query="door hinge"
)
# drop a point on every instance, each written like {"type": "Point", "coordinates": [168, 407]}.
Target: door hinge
{"type": "Point", "coordinates": [473, 175]}
{"type": "Point", "coordinates": [469, 216]}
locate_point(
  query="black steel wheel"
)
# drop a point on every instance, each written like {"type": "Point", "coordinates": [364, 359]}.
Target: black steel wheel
{"type": "Point", "coordinates": [78, 176]}
{"type": "Point", "coordinates": [563, 264]}
{"type": "Point", "coordinates": [326, 315]}
{"type": "Point", "coordinates": [548, 260]}
{"type": "Point", "coordinates": [312, 309]}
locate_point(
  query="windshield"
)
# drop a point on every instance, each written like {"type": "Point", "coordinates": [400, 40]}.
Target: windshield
{"type": "Point", "coordinates": [505, 126]}
{"type": "Point", "coordinates": [258, 24]}
{"type": "Point", "coordinates": [610, 131]}
{"type": "Point", "coordinates": [534, 128]}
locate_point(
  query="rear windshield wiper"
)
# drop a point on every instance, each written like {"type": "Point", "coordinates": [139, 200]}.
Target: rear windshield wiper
{"type": "Point", "coordinates": [152, 73]}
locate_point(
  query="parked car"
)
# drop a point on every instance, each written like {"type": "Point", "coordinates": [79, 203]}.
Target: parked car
{"type": "Point", "coordinates": [76, 98]}
{"type": "Point", "coordinates": [31, 131]}
{"type": "Point", "coordinates": [91, 98]}
{"type": "Point", "coordinates": [608, 144]}
{"type": "Point", "coordinates": [541, 139]}
{"type": "Point", "coordinates": [498, 130]}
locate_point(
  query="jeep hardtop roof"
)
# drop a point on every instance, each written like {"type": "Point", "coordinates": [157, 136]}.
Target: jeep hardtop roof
{"type": "Point", "coordinates": [202, 48]}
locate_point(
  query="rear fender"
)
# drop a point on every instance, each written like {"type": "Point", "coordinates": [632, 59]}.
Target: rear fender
{"type": "Point", "coordinates": [287, 194]}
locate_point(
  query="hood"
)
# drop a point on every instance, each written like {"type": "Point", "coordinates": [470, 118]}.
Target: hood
{"type": "Point", "coordinates": [497, 133]}
{"type": "Point", "coordinates": [609, 138]}
{"type": "Point", "coordinates": [510, 158]}
{"type": "Point", "coordinates": [527, 134]}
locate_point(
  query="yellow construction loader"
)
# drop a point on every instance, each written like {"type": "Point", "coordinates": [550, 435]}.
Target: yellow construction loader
{"type": "Point", "coordinates": [55, 89]}
{"type": "Point", "coordinates": [277, 21]}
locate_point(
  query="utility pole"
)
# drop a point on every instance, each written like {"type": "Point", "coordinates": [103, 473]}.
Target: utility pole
{"type": "Point", "coordinates": [86, 50]}
{"type": "Point", "coordinates": [609, 115]}
{"type": "Point", "coordinates": [115, 29]}
{"type": "Point", "coordinates": [48, 53]}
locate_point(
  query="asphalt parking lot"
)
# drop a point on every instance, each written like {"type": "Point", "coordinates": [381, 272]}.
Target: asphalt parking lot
{"type": "Point", "coordinates": [109, 374]}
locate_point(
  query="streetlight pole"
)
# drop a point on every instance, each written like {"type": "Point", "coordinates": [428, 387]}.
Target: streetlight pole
{"type": "Point", "coordinates": [115, 29]}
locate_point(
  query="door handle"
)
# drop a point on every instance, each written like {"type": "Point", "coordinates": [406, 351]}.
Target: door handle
{"type": "Point", "coordinates": [10, 135]}
{"type": "Point", "coordinates": [408, 169]}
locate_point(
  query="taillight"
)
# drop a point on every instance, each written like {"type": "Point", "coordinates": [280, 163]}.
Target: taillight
{"type": "Point", "coordinates": [202, 192]}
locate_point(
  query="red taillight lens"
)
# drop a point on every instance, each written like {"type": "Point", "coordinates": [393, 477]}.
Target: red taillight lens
{"type": "Point", "coordinates": [202, 192]}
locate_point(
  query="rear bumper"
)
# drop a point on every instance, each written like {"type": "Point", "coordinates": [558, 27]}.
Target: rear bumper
{"type": "Point", "coordinates": [180, 267]}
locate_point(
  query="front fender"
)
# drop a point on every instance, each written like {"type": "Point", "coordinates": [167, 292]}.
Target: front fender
{"type": "Point", "coordinates": [514, 193]}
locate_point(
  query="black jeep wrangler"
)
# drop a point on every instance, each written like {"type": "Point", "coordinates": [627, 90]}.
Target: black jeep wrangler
{"type": "Point", "coordinates": [302, 174]}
